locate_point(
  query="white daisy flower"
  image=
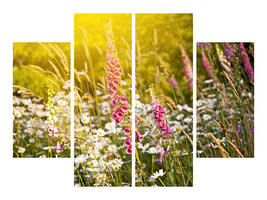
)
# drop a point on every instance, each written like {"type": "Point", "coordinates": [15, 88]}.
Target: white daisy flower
{"type": "Point", "coordinates": [62, 103]}
{"type": "Point", "coordinates": [49, 148]}
{"type": "Point", "coordinates": [180, 116]}
{"type": "Point", "coordinates": [31, 140]}
{"type": "Point", "coordinates": [80, 159]}
{"type": "Point", "coordinates": [158, 174]}
{"type": "Point", "coordinates": [188, 119]}
{"type": "Point", "coordinates": [17, 114]}
{"type": "Point", "coordinates": [152, 150]}
{"type": "Point", "coordinates": [85, 119]}
{"type": "Point", "coordinates": [199, 103]}
{"type": "Point", "coordinates": [31, 123]}
{"type": "Point", "coordinates": [206, 117]}
{"type": "Point", "coordinates": [101, 132]}
{"type": "Point", "coordinates": [21, 150]}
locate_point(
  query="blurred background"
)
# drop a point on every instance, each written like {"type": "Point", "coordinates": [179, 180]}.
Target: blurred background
{"type": "Point", "coordinates": [159, 40]}
{"type": "Point", "coordinates": [34, 62]}
{"type": "Point", "coordinates": [90, 49]}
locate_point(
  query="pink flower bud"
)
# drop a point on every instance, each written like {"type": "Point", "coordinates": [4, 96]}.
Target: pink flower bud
{"type": "Point", "coordinates": [156, 108]}
{"type": "Point", "coordinates": [113, 60]}
{"type": "Point", "coordinates": [167, 152]}
{"type": "Point", "coordinates": [108, 54]}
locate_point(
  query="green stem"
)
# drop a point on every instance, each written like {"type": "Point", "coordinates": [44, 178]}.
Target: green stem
{"type": "Point", "coordinates": [162, 182]}
{"type": "Point", "coordinates": [81, 178]}
{"type": "Point", "coordinates": [152, 164]}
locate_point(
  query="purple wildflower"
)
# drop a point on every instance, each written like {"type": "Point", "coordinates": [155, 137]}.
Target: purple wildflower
{"type": "Point", "coordinates": [173, 83]}
{"type": "Point", "coordinates": [239, 130]}
{"type": "Point", "coordinates": [252, 131]}
{"type": "Point", "coordinates": [160, 159]}
{"type": "Point", "coordinates": [247, 66]}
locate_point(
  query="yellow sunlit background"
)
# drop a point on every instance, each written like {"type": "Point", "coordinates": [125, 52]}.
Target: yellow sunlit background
{"type": "Point", "coordinates": [159, 39]}
{"type": "Point", "coordinates": [33, 63]}
{"type": "Point", "coordinates": [90, 47]}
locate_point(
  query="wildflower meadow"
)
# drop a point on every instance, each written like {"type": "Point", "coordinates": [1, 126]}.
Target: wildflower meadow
{"type": "Point", "coordinates": [164, 100]}
{"type": "Point", "coordinates": [225, 99]}
{"type": "Point", "coordinates": [41, 100]}
{"type": "Point", "coordinates": [102, 109]}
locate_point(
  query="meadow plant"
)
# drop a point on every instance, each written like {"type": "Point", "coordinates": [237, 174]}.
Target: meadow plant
{"type": "Point", "coordinates": [164, 128]}
{"type": "Point", "coordinates": [41, 122]}
{"type": "Point", "coordinates": [166, 143]}
{"type": "Point", "coordinates": [102, 120]}
{"type": "Point", "coordinates": [225, 110]}
{"type": "Point", "coordinates": [173, 83]}
{"type": "Point", "coordinates": [247, 66]}
{"type": "Point", "coordinates": [118, 99]}
{"type": "Point", "coordinates": [159, 116]}
{"type": "Point", "coordinates": [188, 68]}
{"type": "Point", "coordinates": [207, 65]}
{"type": "Point", "coordinates": [163, 101]}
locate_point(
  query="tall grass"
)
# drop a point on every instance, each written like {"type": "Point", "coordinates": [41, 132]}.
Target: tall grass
{"type": "Point", "coordinates": [225, 110]}
{"type": "Point", "coordinates": [163, 161]}
{"type": "Point", "coordinates": [41, 101]}
{"type": "Point", "coordinates": [99, 150]}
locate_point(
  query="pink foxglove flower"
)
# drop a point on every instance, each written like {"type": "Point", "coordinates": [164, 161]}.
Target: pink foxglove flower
{"type": "Point", "coordinates": [207, 65]}
{"type": "Point", "coordinates": [128, 141]}
{"type": "Point", "coordinates": [188, 69]}
{"type": "Point", "coordinates": [52, 131]}
{"type": "Point", "coordinates": [118, 99]}
{"type": "Point", "coordinates": [127, 130]}
{"type": "Point", "coordinates": [247, 66]}
{"type": "Point", "coordinates": [129, 150]}
{"type": "Point", "coordinates": [160, 159]}
{"type": "Point", "coordinates": [124, 107]}
{"type": "Point", "coordinates": [139, 136]}
{"type": "Point", "coordinates": [58, 148]}
{"type": "Point", "coordinates": [173, 83]}
{"type": "Point", "coordinates": [56, 133]}
{"type": "Point", "coordinates": [167, 151]}
{"type": "Point", "coordinates": [136, 120]}
{"type": "Point", "coordinates": [123, 99]}
{"type": "Point", "coordinates": [159, 115]}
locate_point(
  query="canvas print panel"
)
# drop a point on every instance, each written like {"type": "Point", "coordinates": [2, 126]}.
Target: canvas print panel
{"type": "Point", "coordinates": [41, 100]}
{"type": "Point", "coordinates": [225, 99]}
{"type": "Point", "coordinates": [102, 112]}
{"type": "Point", "coordinates": [164, 100]}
